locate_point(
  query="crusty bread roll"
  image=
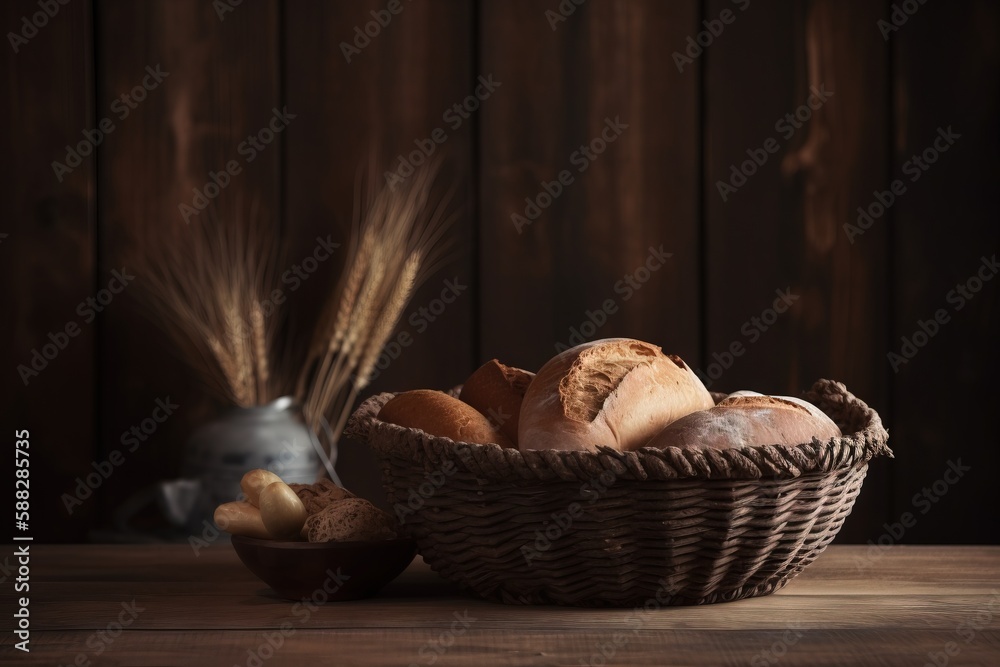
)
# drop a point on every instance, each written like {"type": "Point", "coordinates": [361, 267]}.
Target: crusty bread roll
{"type": "Point", "coordinates": [437, 413]}
{"type": "Point", "coordinates": [617, 392]}
{"type": "Point", "coordinates": [748, 421]}
{"type": "Point", "coordinates": [496, 391]}
{"type": "Point", "coordinates": [349, 520]}
{"type": "Point", "coordinates": [816, 412]}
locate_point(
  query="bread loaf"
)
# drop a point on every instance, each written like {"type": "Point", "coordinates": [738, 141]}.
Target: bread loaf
{"type": "Point", "coordinates": [496, 391]}
{"type": "Point", "coordinates": [317, 497]}
{"type": "Point", "coordinates": [748, 420]}
{"type": "Point", "coordinates": [617, 392]}
{"type": "Point", "coordinates": [348, 520]}
{"type": "Point", "coordinates": [437, 413]}
{"type": "Point", "coordinates": [815, 411]}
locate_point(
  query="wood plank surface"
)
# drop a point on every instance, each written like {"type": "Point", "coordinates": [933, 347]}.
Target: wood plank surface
{"type": "Point", "coordinates": [47, 239]}
{"type": "Point", "coordinates": [655, 648]}
{"type": "Point", "coordinates": [945, 227]}
{"type": "Point", "coordinates": [208, 609]}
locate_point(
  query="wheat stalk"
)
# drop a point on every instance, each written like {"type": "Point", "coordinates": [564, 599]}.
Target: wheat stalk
{"type": "Point", "coordinates": [205, 285]}
{"type": "Point", "coordinates": [208, 285]}
{"type": "Point", "coordinates": [398, 234]}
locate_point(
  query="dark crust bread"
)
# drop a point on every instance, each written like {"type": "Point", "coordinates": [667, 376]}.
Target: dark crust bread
{"type": "Point", "coordinates": [496, 391]}
{"type": "Point", "coordinates": [439, 414]}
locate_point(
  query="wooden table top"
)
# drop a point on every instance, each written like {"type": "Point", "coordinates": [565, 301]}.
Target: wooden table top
{"type": "Point", "coordinates": [906, 606]}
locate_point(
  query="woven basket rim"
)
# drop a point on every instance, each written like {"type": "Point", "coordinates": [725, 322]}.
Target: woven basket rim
{"type": "Point", "coordinates": [492, 463]}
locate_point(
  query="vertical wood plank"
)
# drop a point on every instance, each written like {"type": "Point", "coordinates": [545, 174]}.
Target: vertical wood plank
{"type": "Point", "coordinates": [379, 95]}
{"type": "Point", "coordinates": [47, 255]}
{"type": "Point", "coordinates": [222, 87]}
{"type": "Point", "coordinates": [778, 227]}
{"type": "Point", "coordinates": [945, 81]}
{"type": "Point", "coordinates": [548, 272]}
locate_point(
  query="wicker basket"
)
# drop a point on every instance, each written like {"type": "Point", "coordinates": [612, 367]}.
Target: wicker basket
{"type": "Point", "coordinates": [612, 528]}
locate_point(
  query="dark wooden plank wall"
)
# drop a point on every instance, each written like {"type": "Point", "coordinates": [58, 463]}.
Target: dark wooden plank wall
{"type": "Point", "coordinates": [47, 257]}
{"type": "Point", "coordinates": [533, 282]}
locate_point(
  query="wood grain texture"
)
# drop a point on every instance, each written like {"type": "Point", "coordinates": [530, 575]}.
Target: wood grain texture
{"type": "Point", "coordinates": [47, 253]}
{"type": "Point", "coordinates": [945, 225]}
{"type": "Point", "coordinates": [783, 229]}
{"type": "Point", "coordinates": [365, 105]}
{"type": "Point", "coordinates": [208, 609]}
{"type": "Point", "coordinates": [221, 87]}
{"type": "Point", "coordinates": [566, 82]}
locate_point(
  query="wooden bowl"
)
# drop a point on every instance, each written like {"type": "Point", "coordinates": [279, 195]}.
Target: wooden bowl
{"type": "Point", "coordinates": [328, 571]}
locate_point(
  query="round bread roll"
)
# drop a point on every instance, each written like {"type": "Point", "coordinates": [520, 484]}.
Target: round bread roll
{"type": "Point", "coordinates": [816, 412]}
{"type": "Point", "coordinates": [496, 391]}
{"type": "Point", "coordinates": [617, 392]}
{"type": "Point", "coordinates": [748, 421]}
{"type": "Point", "coordinates": [347, 520]}
{"type": "Point", "coordinates": [437, 413]}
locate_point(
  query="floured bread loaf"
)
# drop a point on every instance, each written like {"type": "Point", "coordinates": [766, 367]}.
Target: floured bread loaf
{"type": "Point", "coordinates": [617, 392]}
{"type": "Point", "coordinates": [349, 520]}
{"type": "Point", "coordinates": [749, 420]}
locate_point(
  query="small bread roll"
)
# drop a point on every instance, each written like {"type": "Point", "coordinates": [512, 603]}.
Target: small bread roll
{"type": "Point", "coordinates": [749, 421]}
{"type": "Point", "coordinates": [254, 482]}
{"type": "Point", "coordinates": [496, 391]}
{"type": "Point", "coordinates": [437, 413]}
{"type": "Point", "coordinates": [617, 392]}
{"type": "Point", "coordinates": [282, 511]}
{"type": "Point", "coordinates": [241, 518]}
{"type": "Point", "coordinates": [816, 412]}
{"type": "Point", "coordinates": [349, 520]}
